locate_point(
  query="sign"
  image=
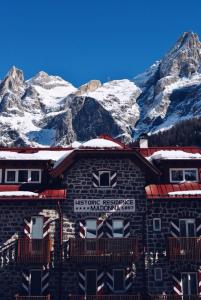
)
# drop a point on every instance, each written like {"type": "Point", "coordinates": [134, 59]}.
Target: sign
{"type": "Point", "coordinates": [104, 205]}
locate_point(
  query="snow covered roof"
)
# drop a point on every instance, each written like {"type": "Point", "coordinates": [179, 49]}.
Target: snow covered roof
{"type": "Point", "coordinates": [18, 194]}
{"type": "Point", "coordinates": [101, 143]}
{"type": "Point", "coordinates": [172, 154]}
{"type": "Point", "coordinates": [182, 190]}
{"type": "Point", "coordinates": [54, 155]}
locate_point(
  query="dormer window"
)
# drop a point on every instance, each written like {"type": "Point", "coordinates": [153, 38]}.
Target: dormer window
{"type": "Point", "coordinates": [22, 176]}
{"type": "Point", "coordinates": [104, 179]}
{"type": "Point", "coordinates": [179, 175]}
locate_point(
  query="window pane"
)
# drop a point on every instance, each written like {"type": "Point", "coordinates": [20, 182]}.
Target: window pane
{"type": "Point", "coordinates": [185, 284]}
{"type": "Point", "coordinates": [177, 175]}
{"type": "Point", "coordinates": [191, 229]}
{"type": "Point", "coordinates": [157, 224]}
{"type": "Point", "coordinates": [118, 229]}
{"type": "Point", "coordinates": [182, 225]}
{"type": "Point", "coordinates": [35, 283]}
{"type": "Point", "coordinates": [35, 176]}
{"type": "Point", "coordinates": [190, 175]}
{"type": "Point", "coordinates": [91, 228]}
{"type": "Point", "coordinates": [158, 274]}
{"type": "Point", "coordinates": [192, 284]}
{"type": "Point", "coordinates": [91, 282]}
{"type": "Point", "coordinates": [104, 179]}
{"type": "Point", "coordinates": [118, 280]}
{"type": "Point", "coordinates": [11, 175]}
{"type": "Point", "coordinates": [23, 176]}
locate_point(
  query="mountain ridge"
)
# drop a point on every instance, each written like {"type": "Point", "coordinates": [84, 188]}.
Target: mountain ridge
{"type": "Point", "coordinates": [46, 110]}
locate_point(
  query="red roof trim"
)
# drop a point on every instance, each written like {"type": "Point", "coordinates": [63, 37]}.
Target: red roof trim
{"type": "Point", "coordinates": [151, 150]}
{"type": "Point", "coordinates": [47, 194]}
{"type": "Point", "coordinates": [160, 191]}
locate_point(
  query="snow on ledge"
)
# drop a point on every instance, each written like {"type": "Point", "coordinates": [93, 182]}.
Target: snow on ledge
{"type": "Point", "coordinates": [18, 194]}
{"type": "Point", "coordinates": [172, 154]}
{"type": "Point", "coordinates": [185, 193]}
{"type": "Point", "coordinates": [100, 143]}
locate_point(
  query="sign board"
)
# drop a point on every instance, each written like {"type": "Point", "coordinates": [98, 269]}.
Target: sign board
{"type": "Point", "coordinates": [104, 205]}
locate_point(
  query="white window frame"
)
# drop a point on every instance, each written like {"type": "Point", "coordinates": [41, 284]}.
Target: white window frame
{"type": "Point", "coordinates": [188, 273]}
{"type": "Point", "coordinates": [182, 169]}
{"type": "Point", "coordinates": [90, 219]}
{"type": "Point", "coordinates": [117, 219]}
{"type": "Point", "coordinates": [39, 270]}
{"type": "Point", "coordinates": [118, 291]}
{"type": "Point", "coordinates": [86, 270]}
{"type": "Point", "coordinates": [188, 221]}
{"type": "Point", "coordinates": [154, 224]}
{"type": "Point", "coordinates": [155, 274]}
{"type": "Point", "coordinates": [17, 175]}
{"type": "Point", "coordinates": [104, 171]}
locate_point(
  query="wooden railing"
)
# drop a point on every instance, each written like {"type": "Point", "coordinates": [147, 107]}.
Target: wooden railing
{"type": "Point", "coordinates": [104, 297]}
{"type": "Point", "coordinates": [175, 297]}
{"type": "Point", "coordinates": [184, 248]}
{"type": "Point", "coordinates": [103, 249]}
{"type": "Point", "coordinates": [17, 297]}
{"type": "Point", "coordinates": [33, 251]}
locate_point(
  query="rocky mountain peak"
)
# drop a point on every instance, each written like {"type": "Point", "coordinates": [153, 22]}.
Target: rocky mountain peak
{"type": "Point", "coordinates": [16, 74]}
{"type": "Point", "coordinates": [90, 86]}
{"type": "Point", "coordinates": [184, 59]}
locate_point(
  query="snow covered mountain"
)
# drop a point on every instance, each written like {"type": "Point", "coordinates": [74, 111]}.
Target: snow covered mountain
{"type": "Point", "coordinates": [47, 110]}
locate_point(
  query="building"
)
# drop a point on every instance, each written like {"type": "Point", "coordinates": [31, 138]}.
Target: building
{"type": "Point", "coordinates": [100, 220]}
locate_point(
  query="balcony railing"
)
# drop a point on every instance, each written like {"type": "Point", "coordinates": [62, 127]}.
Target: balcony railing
{"type": "Point", "coordinates": [33, 251]}
{"type": "Point", "coordinates": [184, 248]}
{"type": "Point", "coordinates": [104, 297]}
{"type": "Point", "coordinates": [175, 297]}
{"type": "Point", "coordinates": [103, 249]}
{"type": "Point", "coordinates": [17, 297]}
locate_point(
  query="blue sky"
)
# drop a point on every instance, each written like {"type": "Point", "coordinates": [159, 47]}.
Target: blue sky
{"type": "Point", "coordinates": [91, 39]}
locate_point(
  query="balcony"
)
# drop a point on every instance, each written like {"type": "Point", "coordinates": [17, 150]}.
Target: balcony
{"type": "Point", "coordinates": [175, 297]}
{"type": "Point", "coordinates": [103, 250]}
{"type": "Point", "coordinates": [33, 251]}
{"type": "Point", "coordinates": [184, 248]}
{"type": "Point", "coordinates": [104, 297]}
{"type": "Point", "coordinates": [32, 297]}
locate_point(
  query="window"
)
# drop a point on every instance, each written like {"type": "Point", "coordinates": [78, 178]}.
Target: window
{"type": "Point", "coordinates": [24, 175]}
{"type": "Point", "coordinates": [37, 227]}
{"type": "Point", "coordinates": [91, 228]}
{"type": "Point", "coordinates": [179, 175]}
{"type": "Point", "coordinates": [157, 224]}
{"type": "Point", "coordinates": [104, 178]}
{"type": "Point", "coordinates": [118, 228]}
{"type": "Point", "coordinates": [158, 274]}
{"type": "Point", "coordinates": [35, 283]}
{"type": "Point", "coordinates": [189, 283]}
{"type": "Point", "coordinates": [187, 227]}
{"type": "Point", "coordinates": [91, 282]}
{"type": "Point", "coordinates": [118, 283]}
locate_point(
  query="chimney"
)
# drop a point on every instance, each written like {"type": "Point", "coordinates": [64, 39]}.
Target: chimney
{"type": "Point", "coordinates": [143, 141]}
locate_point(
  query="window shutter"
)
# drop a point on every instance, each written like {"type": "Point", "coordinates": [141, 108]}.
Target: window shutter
{"type": "Point", "coordinates": [46, 227]}
{"type": "Point", "coordinates": [128, 278]}
{"type": "Point", "coordinates": [26, 277]}
{"type": "Point", "coordinates": [174, 228]}
{"type": "Point", "coordinates": [95, 178]}
{"type": "Point", "coordinates": [108, 228]}
{"type": "Point", "coordinates": [100, 228]}
{"type": "Point", "coordinates": [199, 281]}
{"type": "Point", "coordinates": [110, 280]}
{"type": "Point", "coordinates": [126, 228]}
{"type": "Point", "coordinates": [113, 178]}
{"type": "Point", "coordinates": [45, 282]}
{"type": "Point", "coordinates": [27, 227]}
{"type": "Point", "coordinates": [82, 229]}
{"type": "Point", "coordinates": [82, 282]}
{"type": "Point", "coordinates": [198, 227]}
{"type": "Point", "coordinates": [177, 284]}
{"type": "Point", "coordinates": [100, 282]}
